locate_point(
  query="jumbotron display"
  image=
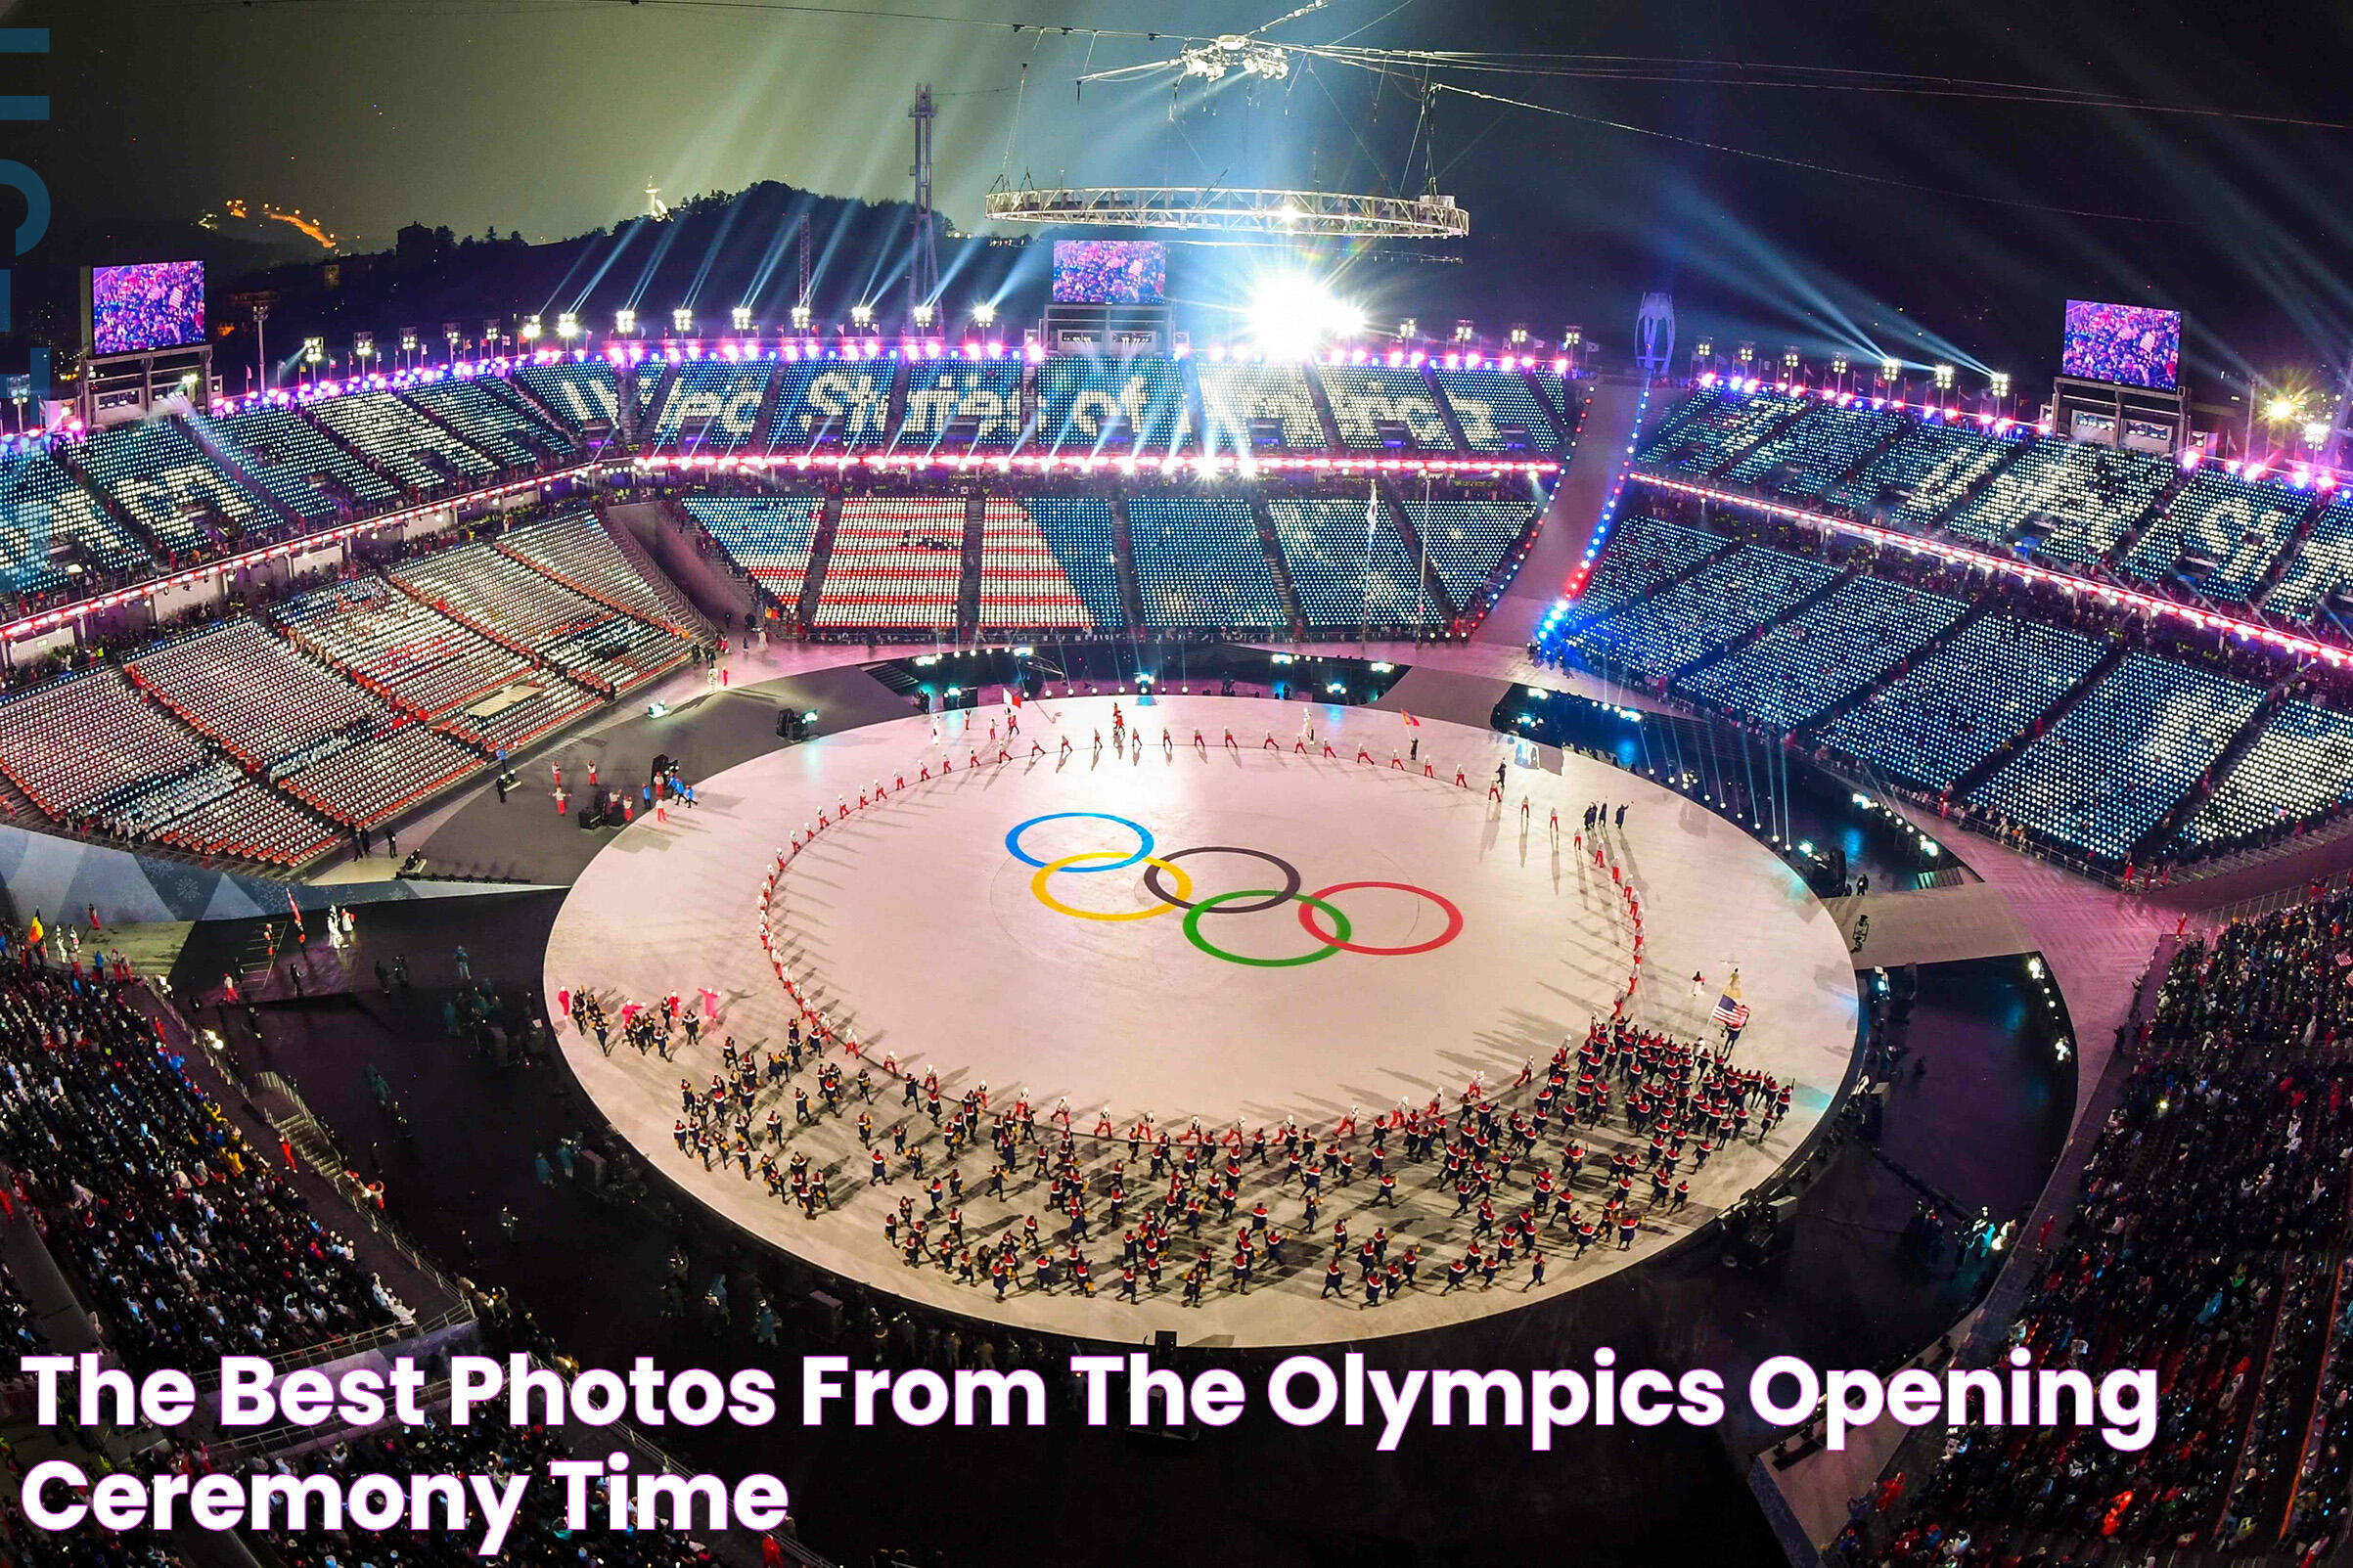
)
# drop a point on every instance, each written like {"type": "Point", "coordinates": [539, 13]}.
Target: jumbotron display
{"type": "Point", "coordinates": [147, 305]}
{"type": "Point", "coordinates": [1110, 272]}
{"type": "Point", "coordinates": [2131, 345]}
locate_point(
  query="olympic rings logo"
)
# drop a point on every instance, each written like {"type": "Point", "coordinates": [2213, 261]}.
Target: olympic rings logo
{"type": "Point", "coordinates": [1171, 886]}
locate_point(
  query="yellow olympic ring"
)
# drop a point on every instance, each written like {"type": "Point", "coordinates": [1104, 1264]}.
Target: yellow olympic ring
{"type": "Point", "coordinates": [1037, 886]}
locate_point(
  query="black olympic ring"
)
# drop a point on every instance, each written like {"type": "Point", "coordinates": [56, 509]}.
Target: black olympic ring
{"type": "Point", "coordinates": [1291, 878]}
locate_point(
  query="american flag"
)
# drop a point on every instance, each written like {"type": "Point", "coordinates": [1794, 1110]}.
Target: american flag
{"type": "Point", "coordinates": [1731, 1013]}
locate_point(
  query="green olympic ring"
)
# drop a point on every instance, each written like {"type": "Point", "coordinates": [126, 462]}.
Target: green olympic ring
{"type": "Point", "coordinates": [1192, 928]}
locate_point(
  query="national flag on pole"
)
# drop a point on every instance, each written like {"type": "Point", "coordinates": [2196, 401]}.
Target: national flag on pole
{"type": "Point", "coordinates": [1411, 722]}
{"type": "Point", "coordinates": [35, 932]}
{"type": "Point", "coordinates": [1730, 1011]}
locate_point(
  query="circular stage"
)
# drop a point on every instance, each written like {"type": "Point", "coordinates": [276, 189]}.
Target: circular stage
{"type": "Point", "coordinates": [1188, 932]}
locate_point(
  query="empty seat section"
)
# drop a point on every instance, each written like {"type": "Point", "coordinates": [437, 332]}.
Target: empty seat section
{"type": "Point", "coordinates": [1199, 564]}
{"type": "Point", "coordinates": [768, 536]}
{"type": "Point", "coordinates": [1022, 584]}
{"type": "Point", "coordinates": [2300, 763]}
{"type": "Point", "coordinates": [252, 693]}
{"type": "Point", "coordinates": [715, 403]}
{"type": "Point", "coordinates": [1364, 396]}
{"type": "Point", "coordinates": [285, 453]}
{"type": "Point", "coordinates": [1726, 599]}
{"type": "Point", "coordinates": [1964, 702]}
{"type": "Point", "coordinates": [898, 563]}
{"type": "Point", "coordinates": [407, 445]}
{"type": "Point", "coordinates": [582, 394]}
{"type": "Point", "coordinates": [2220, 533]}
{"type": "Point", "coordinates": [578, 553]}
{"type": "Point", "coordinates": [159, 474]}
{"type": "Point", "coordinates": [396, 767]}
{"type": "Point", "coordinates": [2119, 759]}
{"type": "Point", "coordinates": [2067, 500]}
{"type": "Point", "coordinates": [1466, 540]}
{"type": "Point", "coordinates": [1808, 456]}
{"type": "Point", "coordinates": [1486, 402]}
{"type": "Point", "coordinates": [982, 399]}
{"type": "Point", "coordinates": [48, 522]}
{"type": "Point", "coordinates": [1233, 396]}
{"type": "Point", "coordinates": [833, 403]}
{"type": "Point", "coordinates": [1640, 553]}
{"type": "Point", "coordinates": [1347, 566]}
{"type": "Point", "coordinates": [2321, 572]}
{"type": "Point", "coordinates": [492, 419]}
{"type": "Point", "coordinates": [1825, 652]}
{"type": "Point", "coordinates": [1916, 479]}
{"type": "Point", "coordinates": [1711, 428]}
{"type": "Point", "coordinates": [506, 599]}
{"type": "Point", "coordinates": [1556, 391]}
{"type": "Point", "coordinates": [1079, 530]}
{"type": "Point", "coordinates": [1088, 405]}
{"type": "Point", "coordinates": [422, 662]}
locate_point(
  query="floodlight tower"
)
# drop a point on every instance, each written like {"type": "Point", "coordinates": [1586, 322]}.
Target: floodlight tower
{"type": "Point", "coordinates": [922, 275]}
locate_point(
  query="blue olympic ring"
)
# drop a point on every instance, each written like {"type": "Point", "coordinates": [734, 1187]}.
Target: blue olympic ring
{"type": "Point", "coordinates": [1013, 842]}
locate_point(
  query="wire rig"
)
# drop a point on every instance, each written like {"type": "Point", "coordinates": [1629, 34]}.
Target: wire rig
{"type": "Point", "coordinates": [1198, 209]}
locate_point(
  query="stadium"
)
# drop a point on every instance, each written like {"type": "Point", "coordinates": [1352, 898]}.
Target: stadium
{"type": "Point", "coordinates": [1108, 799]}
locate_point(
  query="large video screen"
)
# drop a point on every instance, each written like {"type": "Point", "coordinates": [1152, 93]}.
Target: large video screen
{"type": "Point", "coordinates": [2131, 345]}
{"type": "Point", "coordinates": [1110, 272]}
{"type": "Point", "coordinates": [152, 304]}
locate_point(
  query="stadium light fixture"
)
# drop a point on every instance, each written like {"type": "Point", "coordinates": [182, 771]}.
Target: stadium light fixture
{"type": "Point", "coordinates": [1889, 368]}
{"type": "Point", "coordinates": [1746, 354]}
{"type": "Point", "coordinates": [984, 314]}
{"type": "Point", "coordinates": [2280, 410]}
{"type": "Point", "coordinates": [1790, 359]}
{"type": "Point", "coordinates": [529, 330]}
{"type": "Point", "coordinates": [1463, 331]}
{"type": "Point", "coordinates": [2001, 380]}
{"type": "Point", "coordinates": [568, 326]}
{"type": "Point", "coordinates": [625, 321]}
{"type": "Point", "coordinates": [801, 318]}
{"type": "Point", "coordinates": [1838, 364]}
{"type": "Point", "coordinates": [363, 347]}
{"type": "Point", "coordinates": [740, 317]}
{"type": "Point", "coordinates": [922, 313]}
{"type": "Point", "coordinates": [682, 320]}
{"type": "Point", "coordinates": [1409, 329]}
{"type": "Point", "coordinates": [314, 349]}
{"type": "Point", "coordinates": [1520, 335]}
{"type": "Point", "coordinates": [1292, 315]}
{"type": "Point", "coordinates": [2315, 431]}
{"type": "Point", "coordinates": [1944, 377]}
{"type": "Point", "coordinates": [862, 315]}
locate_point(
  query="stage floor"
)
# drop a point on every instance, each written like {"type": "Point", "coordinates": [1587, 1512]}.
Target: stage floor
{"type": "Point", "coordinates": [930, 927]}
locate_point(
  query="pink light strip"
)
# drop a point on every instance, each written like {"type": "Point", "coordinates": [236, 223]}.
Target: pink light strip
{"type": "Point", "coordinates": [2147, 603]}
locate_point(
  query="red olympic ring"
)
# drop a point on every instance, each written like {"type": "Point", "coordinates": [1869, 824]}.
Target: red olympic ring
{"type": "Point", "coordinates": [1453, 922]}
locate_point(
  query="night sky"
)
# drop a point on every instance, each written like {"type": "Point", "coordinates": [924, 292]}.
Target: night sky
{"type": "Point", "coordinates": [549, 117]}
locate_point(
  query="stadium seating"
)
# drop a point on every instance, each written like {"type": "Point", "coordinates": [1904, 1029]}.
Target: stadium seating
{"type": "Point", "coordinates": [2299, 764]}
{"type": "Point", "coordinates": [1082, 400]}
{"type": "Point", "coordinates": [715, 403]}
{"type": "Point", "coordinates": [768, 536]}
{"type": "Point", "coordinates": [1825, 652]}
{"type": "Point", "coordinates": [362, 785]}
{"type": "Point", "coordinates": [1641, 553]}
{"type": "Point", "coordinates": [1813, 450]}
{"type": "Point", "coordinates": [845, 403]}
{"type": "Point", "coordinates": [1199, 563]}
{"type": "Point", "coordinates": [1713, 427]}
{"type": "Point", "coordinates": [2082, 499]}
{"type": "Point", "coordinates": [285, 453]}
{"type": "Point", "coordinates": [1964, 702]}
{"type": "Point", "coordinates": [2101, 775]}
{"type": "Point", "coordinates": [578, 553]}
{"type": "Point", "coordinates": [2222, 531]}
{"type": "Point", "coordinates": [1346, 572]}
{"type": "Point", "coordinates": [1079, 530]}
{"type": "Point", "coordinates": [507, 600]}
{"type": "Point", "coordinates": [582, 394]}
{"type": "Point", "coordinates": [646, 382]}
{"type": "Point", "coordinates": [1362, 396]}
{"type": "Point", "coordinates": [1022, 584]}
{"type": "Point", "coordinates": [941, 396]}
{"type": "Point", "coordinates": [1464, 540]}
{"type": "Point", "coordinates": [1556, 389]}
{"type": "Point", "coordinates": [134, 772]}
{"type": "Point", "coordinates": [2322, 566]}
{"type": "Point", "coordinates": [46, 518]}
{"type": "Point", "coordinates": [1233, 396]}
{"type": "Point", "coordinates": [897, 564]}
{"type": "Point", "coordinates": [1484, 401]}
{"type": "Point", "coordinates": [1658, 635]}
{"type": "Point", "coordinates": [1931, 467]}
{"type": "Point", "coordinates": [491, 417]}
{"type": "Point", "coordinates": [398, 648]}
{"type": "Point", "coordinates": [162, 477]}
{"type": "Point", "coordinates": [400, 439]}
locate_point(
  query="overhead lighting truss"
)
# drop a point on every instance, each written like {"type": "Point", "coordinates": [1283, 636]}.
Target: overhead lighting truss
{"type": "Point", "coordinates": [1218, 209]}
